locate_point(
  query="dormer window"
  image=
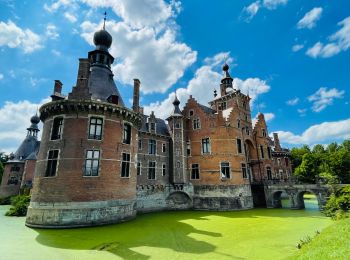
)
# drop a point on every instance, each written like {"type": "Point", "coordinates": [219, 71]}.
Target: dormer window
{"type": "Point", "coordinates": [263, 132]}
{"type": "Point", "coordinates": [152, 126]}
{"type": "Point", "coordinates": [191, 112]}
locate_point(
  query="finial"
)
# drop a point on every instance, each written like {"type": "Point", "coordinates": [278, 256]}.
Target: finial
{"type": "Point", "coordinates": [215, 93]}
{"type": "Point", "coordinates": [104, 21]}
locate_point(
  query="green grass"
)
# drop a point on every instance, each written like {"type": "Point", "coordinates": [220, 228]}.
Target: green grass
{"type": "Point", "coordinates": [250, 234]}
{"type": "Point", "coordinates": [332, 243]}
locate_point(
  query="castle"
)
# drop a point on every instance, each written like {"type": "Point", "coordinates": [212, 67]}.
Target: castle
{"type": "Point", "coordinates": [100, 162]}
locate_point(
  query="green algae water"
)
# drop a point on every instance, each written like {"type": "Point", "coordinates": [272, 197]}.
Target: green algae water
{"type": "Point", "coordinates": [249, 234]}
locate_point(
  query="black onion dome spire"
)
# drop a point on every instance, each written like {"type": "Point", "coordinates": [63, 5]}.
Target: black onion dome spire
{"type": "Point", "coordinates": [102, 39]}
{"type": "Point", "coordinates": [176, 103]}
{"type": "Point", "coordinates": [35, 119]}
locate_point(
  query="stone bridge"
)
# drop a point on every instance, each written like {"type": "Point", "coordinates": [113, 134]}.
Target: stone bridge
{"type": "Point", "coordinates": [295, 193]}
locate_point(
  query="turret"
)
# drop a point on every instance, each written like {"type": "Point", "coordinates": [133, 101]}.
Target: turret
{"type": "Point", "coordinates": [226, 81]}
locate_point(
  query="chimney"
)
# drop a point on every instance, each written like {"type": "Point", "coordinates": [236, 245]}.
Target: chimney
{"type": "Point", "coordinates": [277, 142]}
{"type": "Point", "coordinates": [136, 97]}
{"type": "Point", "coordinates": [57, 87]}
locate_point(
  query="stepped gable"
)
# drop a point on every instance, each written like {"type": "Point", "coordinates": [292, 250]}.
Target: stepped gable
{"type": "Point", "coordinates": [161, 126]}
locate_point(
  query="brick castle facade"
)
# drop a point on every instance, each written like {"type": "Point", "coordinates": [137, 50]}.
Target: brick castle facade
{"type": "Point", "coordinates": [100, 162]}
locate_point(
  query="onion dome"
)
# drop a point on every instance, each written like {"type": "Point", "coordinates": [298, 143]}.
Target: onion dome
{"type": "Point", "coordinates": [225, 67]}
{"type": "Point", "coordinates": [176, 101]}
{"type": "Point", "coordinates": [102, 39]}
{"type": "Point", "coordinates": [35, 119]}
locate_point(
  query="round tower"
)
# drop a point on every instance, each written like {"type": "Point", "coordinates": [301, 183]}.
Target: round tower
{"type": "Point", "coordinates": [86, 174]}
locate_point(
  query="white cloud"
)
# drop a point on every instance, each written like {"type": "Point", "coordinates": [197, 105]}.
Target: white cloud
{"type": "Point", "coordinates": [320, 133]}
{"type": "Point", "coordinates": [310, 18]}
{"type": "Point", "coordinates": [138, 14]}
{"type": "Point", "coordinates": [58, 4]}
{"type": "Point", "coordinates": [70, 17]}
{"type": "Point", "coordinates": [302, 111]}
{"type": "Point", "coordinates": [293, 101]}
{"type": "Point", "coordinates": [251, 10]}
{"type": "Point", "coordinates": [17, 117]}
{"type": "Point", "coordinates": [273, 4]}
{"type": "Point", "coordinates": [323, 98]}
{"type": "Point", "coordinates": [202, 85]}
{"type": "Point", "coordinates": [1, 76]}
{"type": "Point", "coordinates": [56, 53]}
{"type": "Point", "coordinates": [51, 32]}
{"type": "Point", "coordinates": [338, 42]}
{"type": "Point", "coordinates": [297, 47]}
{"type": "Point", "coordinates": [157, 59]}
{"type": "Point", "coordinates": [14, 37]}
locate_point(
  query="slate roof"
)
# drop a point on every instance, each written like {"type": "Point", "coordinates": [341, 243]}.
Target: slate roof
{"type": "Point", "coordinates": [101, 84]}
{"type": "Point", "coordinates": [161, 126]}
{"type": "Point", "coordinates": [27, 150]}
{"type": "Point", "coordinates": [206, 109]}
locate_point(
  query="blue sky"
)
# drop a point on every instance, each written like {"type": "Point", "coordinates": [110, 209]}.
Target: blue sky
{"type": "Point", "coordinates": [292, 55]}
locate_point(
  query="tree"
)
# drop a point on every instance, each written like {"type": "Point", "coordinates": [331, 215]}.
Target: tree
{"type": "Point", "coordinates": [308, 169]}
{"type": "Point", "coordinates": [297, 155]}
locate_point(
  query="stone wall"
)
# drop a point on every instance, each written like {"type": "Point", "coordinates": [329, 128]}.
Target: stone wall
{"type": "Point", "coordinates": [221, 198]}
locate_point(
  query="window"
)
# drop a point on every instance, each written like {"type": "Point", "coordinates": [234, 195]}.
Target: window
{"type": "Point", "coordinates": [163, 169]}
{"type": "Point", "coordinates": [191, 112]}
{"type": "Point", "coordinates": [188, 149]}
{"type": "Point", "coordinates": [244, 171]}
{"type": "Point", "coordinates": [225, 170]}
{"type": "Point", "coordinates": [205, 145]}
{"type": "Point", "coordinates": [247, 131]}
{"type": "Point", "coordinates": [51, 167]}
{"type": "Point", "coordinates": [95, 129]}
{"type": "Point", "coordinates": [239, 145]}
{"type": "Point", "coordinates": [151, 170]}
{"type": "Point", "coordinates": [196, 124]}
{"type": "Point", "coordinates": [278, 161]}
{"type": "Point", "coordinates": [140, 144]}
{"type": "Point", "coordinates": [262, 151]}
{"type": "Point", "coordinates": [280, 171]}
{"type": "Point", "coordinates": [163, 147]}
{"type": "Point", "coordinates": [263, 132]}
{"type": "Point", "coordinates": [56, 128]}
{"type": "Point", "coordinates": [13, 180]}
{"type": "Point", "coordinates": [15, 168]}
{"type": "Point", "coordinates": [92, 163]}
{"type": "Point", "coordinates": [238, 123]}
{"type": "Point", "coordinates": [152, 126]}
{"type": "Point", "coordinates": [195, 171]}
{"type": "Point", "coordinates": [286, 161]}
{"type": "Point", "coordinates": [178, 164]}
{"type": "Point", "coordinates": [152, 146]}
{"type": "Point", "coordinates": [138, 168]}
{"type": "Point", "coordinates": [177, 125]}
{"type": "Point", "coordinates": [127, 134]}
{"type": "Point", "coordinates": [269, 152]}
{"type": "Point", "coordinates": [223, 105]}
{"type": "Point", "coordinates": [269, 174]}
{"type": "Point", "coordinates": [125, 173]}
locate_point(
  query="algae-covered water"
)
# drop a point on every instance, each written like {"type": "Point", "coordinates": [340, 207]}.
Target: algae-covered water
{"type": "Point", "coordinates": [250, 234]}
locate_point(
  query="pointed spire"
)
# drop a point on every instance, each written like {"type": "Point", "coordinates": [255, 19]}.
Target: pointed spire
{"type": "Point", "coordinates": [227, 79]}
{"type": "Point", "coordinates": [104, 21]}
{"type": "Point", "coordinates": [176, 103]}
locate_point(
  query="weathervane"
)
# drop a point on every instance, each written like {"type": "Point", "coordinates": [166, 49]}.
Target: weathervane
{"type": "Point", "coordinates": [104, 20]}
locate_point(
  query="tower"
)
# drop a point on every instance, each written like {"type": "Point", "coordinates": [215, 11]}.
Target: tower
{"type": "Point", "coordinates": [226, 81]}
{"type": "Point", "coordinates": [86, 172]}
{"type": "Point", "coordinates": [176, 124]}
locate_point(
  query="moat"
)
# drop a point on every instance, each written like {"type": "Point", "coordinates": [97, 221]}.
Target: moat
{"type": "Point", "coordinates": [249, 234]}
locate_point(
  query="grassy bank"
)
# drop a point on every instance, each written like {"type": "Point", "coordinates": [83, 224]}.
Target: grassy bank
{"type": "Point", "coordinates": [332, 243]}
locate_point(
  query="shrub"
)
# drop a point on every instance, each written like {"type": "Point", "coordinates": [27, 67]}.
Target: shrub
{"type": "Point", "coordinates": [338, 204]}
{"type": "Point", "coordinates": [20, 205]}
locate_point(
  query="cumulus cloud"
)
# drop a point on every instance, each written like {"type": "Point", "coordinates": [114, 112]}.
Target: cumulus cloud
{"type": "Point", "coordinates": [273, 4]}
{"type": "Point", "coordinates": [157, 59]}
{"type": "Point", "coordinates": [51, 32]}
{"type": "Point", "coordinates": [201, 86]}
{"type": "Point", "coordinates": [310, 18]}
{"type": "Point", "coordinates": [293, 101]}
{"type": "Point", "coordinates": [337, 42]}
{"type": "Point", "coordinates": [251, 10]}
{"type": "Point", "coordinates": [297, 47]}
{"type": "Point", "coordinates": [15, 37]}
{"type": "Point", "coordinates": [17, 117]}
{"type": "Point", "coordinates": [58, 4]}
{"type": "Point", "coordinates": [320, 133]}
{"type": "Point", "coordinates": [70, 17]}
{"type": "Point", "coordinates": [323, 98]}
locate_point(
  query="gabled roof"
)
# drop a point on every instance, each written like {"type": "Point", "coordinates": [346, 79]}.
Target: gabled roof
{"type": "Point", "coordinates": [25, 151]}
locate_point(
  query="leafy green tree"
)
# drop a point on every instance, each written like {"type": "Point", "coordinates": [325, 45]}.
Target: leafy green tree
{"type": "Point", "coordinates": [318, 149]}
{"type": "Point", "coordinates": [332, 147]}
{"type": "Point", "coordinates": [297, 155]}
{"type": "Point", "coordinates": [308, 169]}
